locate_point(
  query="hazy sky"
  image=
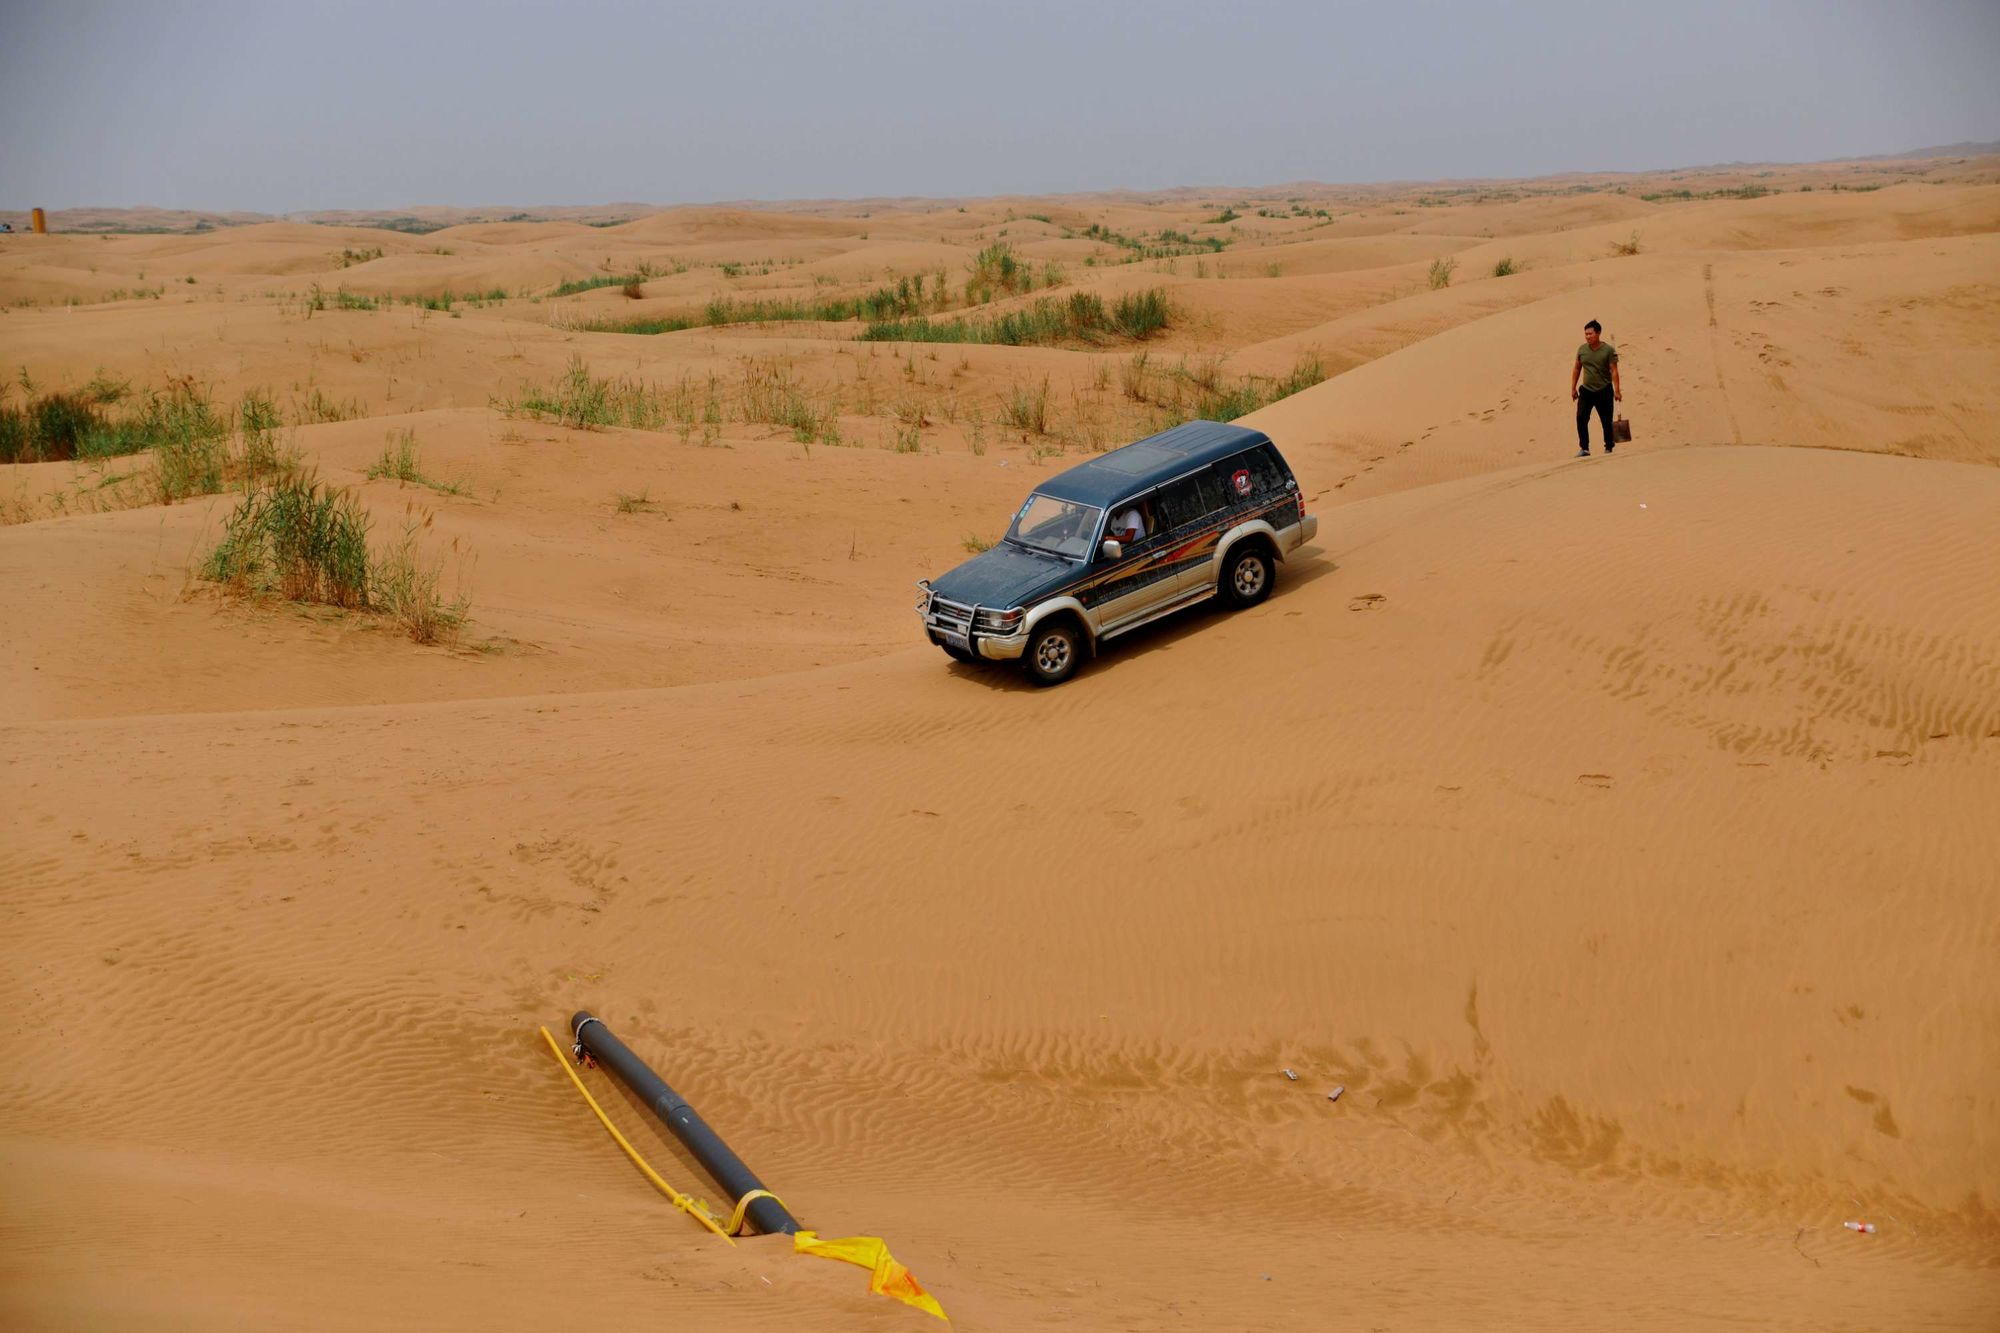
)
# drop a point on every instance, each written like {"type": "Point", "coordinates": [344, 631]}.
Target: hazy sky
{"type": "Point", "coordinates": [289, 106]}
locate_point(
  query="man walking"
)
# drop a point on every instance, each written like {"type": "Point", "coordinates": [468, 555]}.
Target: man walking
{"type": "Point", "coordinates": [1597, 363]}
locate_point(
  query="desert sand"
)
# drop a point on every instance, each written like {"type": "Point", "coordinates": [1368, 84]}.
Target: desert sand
{"type": "Point", "coordinates": [1618, 832]}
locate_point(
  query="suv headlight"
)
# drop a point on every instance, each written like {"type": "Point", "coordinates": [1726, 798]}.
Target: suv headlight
{"type": "Point", "coordinates": [999, 622]}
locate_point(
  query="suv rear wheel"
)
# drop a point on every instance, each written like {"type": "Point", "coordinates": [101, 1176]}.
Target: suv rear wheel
{"type": "Point", "coordinates": [1246, 579]}
{"type": "Point", "coordinates": [1055, 651]}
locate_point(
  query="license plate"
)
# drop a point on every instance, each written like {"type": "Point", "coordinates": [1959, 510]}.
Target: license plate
{"type": "Point", "coordinates": [958, 641]}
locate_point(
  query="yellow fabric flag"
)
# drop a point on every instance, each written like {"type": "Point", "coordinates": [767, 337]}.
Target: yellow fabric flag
{"type": "Point", "coordinates": [886, 1277]}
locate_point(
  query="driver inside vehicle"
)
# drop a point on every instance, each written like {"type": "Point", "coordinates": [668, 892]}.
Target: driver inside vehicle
{"type": "Point", "coordinates": [1128, 525]}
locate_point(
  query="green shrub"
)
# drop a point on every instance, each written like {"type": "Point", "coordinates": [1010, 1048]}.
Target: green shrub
{"type": "Point", "coordinates": [60, 421]}
{"type": "Point", "coordinates": [1141, 315]}
{"type": "Point", "coordinates": [1441, 270]}
{"type": "Point", "coordinates": [1505, 268]}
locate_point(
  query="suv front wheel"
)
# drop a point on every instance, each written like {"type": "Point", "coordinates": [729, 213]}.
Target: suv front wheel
{"type": "Point", "coordinates": [1055, 651]}
{"type": "Point", "coordinates": [1246, 579]}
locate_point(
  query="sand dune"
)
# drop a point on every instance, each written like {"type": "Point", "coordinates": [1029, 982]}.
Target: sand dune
{"type": "Point", "coordinates": [1613, 831]}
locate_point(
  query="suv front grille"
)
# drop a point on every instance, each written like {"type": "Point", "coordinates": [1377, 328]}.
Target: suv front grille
{"type": "Point", "coordinates": [948, 616]}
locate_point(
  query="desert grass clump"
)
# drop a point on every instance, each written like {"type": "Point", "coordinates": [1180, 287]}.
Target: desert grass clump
{"type": "Point", "coordinates": [578, 400]}
{"type": "Point", "coordinates": [1080, 317]}
{"type": "Point", "coordinates": [995, 270]}
{"type": "Point", "coordinates": [1505, 268]}
{"type": "Point", "coordinates": [1626, 248]}
{"type": "Point", "coordinates": [1441, 271]}
{"type": "Point", "coordinates": [258, 422]}
{"type": "Point", "coordinates": [304, 540]}
{"type": "Point", "coordinates": [409, 590]}
{"type": "Point", "coordinates": [1201, 390]}
{"type": "Point", "coordinates": [597, 280]}
{"type": "Point", "coordinates": [648, 324]}
{"type": "Point", "coordinates": [104, 390]}
{"type": "Point", "coordinates": [1134, 376]}
{"type": "Point", "coordinates": [56, 425]}
{"type": "Point", "coordinates": [772, 397]}
{"type": "Point", "coordinates": [318, 406]}
{"type": "Point", "coordinates": [1141, 314]}
{"type": "Point", "coordinates": [299, 537]}
{"type": "Point", "coordinates": [640, 503]}
{"type": "Point", "coordinates": [399, 461]}
{"type": "Point", "coordinates": [190, 443]}
{"type": "Point", "coordinates": [1027, 409]}
{"type": "Point", "coordinates": [187, 436]}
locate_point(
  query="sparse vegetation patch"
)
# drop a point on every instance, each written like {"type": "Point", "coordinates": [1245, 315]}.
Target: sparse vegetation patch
{"type": "Point", "coordinates": [399, 461]}
{"type": "Point", "coordinates": [1081, 317]}
{"type": "Point", "coordinates": [306, 540]}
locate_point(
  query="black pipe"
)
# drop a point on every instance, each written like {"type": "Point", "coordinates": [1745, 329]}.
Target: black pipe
{"type": "Point", "coordinates": [708, 1148]}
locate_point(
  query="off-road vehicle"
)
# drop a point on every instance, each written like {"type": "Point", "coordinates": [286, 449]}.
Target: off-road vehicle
{"type": "Point", "coordinates": [1202, 510]}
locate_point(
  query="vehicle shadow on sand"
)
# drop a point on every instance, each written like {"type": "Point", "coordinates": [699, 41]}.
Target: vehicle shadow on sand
{"type": "Point", "coordinates": [1306, 566]}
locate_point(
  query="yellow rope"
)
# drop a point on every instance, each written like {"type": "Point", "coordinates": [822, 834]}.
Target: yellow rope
{"type": "Point", "coordinates": [681, 1201]}
{"type": "Point", "coordinates": [743, 1204]}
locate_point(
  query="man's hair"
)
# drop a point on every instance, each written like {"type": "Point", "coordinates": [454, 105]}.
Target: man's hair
{"type": "Point", "coordinates": [1595, 325]}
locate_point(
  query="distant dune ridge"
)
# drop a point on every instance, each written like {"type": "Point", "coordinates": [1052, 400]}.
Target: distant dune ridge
{"type": "Point", "coordinates": [1615, 833]}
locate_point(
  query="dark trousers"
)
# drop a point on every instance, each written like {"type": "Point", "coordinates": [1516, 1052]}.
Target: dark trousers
{"type": "Point", "coordinates": [1588, 401]}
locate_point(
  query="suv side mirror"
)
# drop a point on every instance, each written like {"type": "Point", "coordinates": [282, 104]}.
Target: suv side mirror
{"type": "Point", "coordinates": [1112, 549]}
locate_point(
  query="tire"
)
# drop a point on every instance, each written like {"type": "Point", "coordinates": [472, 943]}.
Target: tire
{"type": "Point", "coordinates": [1055, 651]}
{"type": "Point", "coordinates": [1246, 578]}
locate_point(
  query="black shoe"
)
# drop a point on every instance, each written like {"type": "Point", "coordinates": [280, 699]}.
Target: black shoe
{"type": "Point", "coordinates": [1610, 448]}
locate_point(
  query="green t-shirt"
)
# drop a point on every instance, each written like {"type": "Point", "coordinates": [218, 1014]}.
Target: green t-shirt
{"type": "Point", "coordinates": [1597, 365]}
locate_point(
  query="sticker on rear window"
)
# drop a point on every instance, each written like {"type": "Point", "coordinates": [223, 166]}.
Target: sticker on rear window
{"type": "Point", "coordinates": [1240, 483]}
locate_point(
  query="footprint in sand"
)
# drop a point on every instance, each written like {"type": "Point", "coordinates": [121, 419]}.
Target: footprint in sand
{"type": "Point", "coordinates": [1600, 780]}
{"type": "Point", "coordinates": [1367, 601]}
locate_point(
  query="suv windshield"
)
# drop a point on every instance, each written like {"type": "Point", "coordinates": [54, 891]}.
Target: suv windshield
{"type": "Point", "coordinates": [1060, 527]}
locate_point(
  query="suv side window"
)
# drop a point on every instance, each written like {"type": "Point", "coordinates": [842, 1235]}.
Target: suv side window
{"type": "Point", "coordinates": [1179, 504]}
{"type": "Point", "coordinates": [1250, 475]}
